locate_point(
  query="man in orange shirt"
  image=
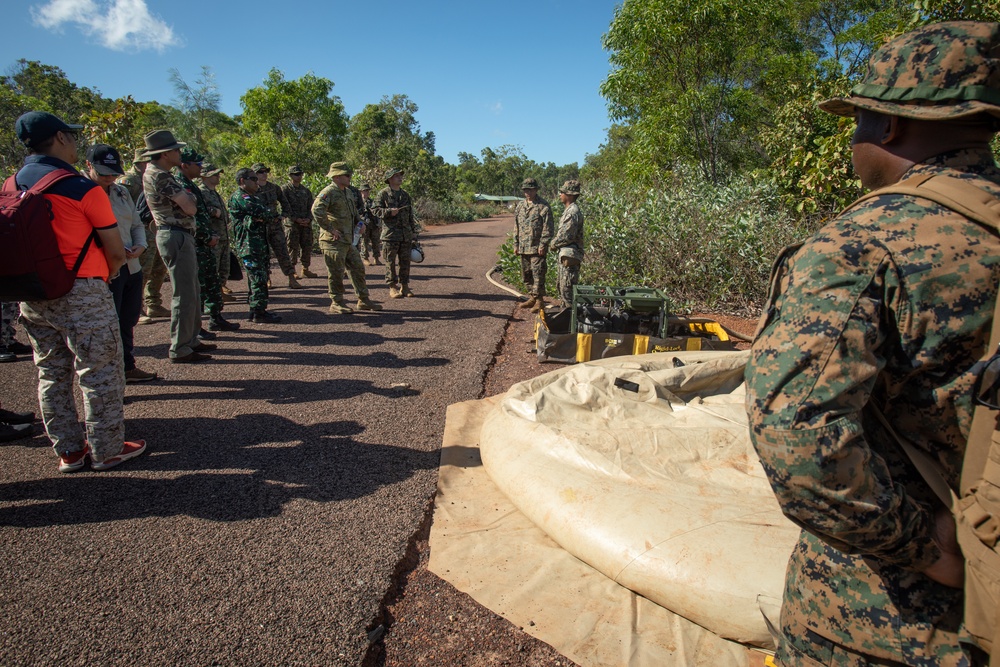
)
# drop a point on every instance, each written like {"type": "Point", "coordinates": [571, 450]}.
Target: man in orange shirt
{"type": "Point", "coordinates": [77, 332]}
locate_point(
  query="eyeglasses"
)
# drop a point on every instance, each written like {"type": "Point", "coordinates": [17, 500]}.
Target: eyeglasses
{"type": "Point", "coordinates": [250, 178]}
{"type": "Point", "coordinates": [987, 388]}
{"type": "Point", "coordinates": [71, 134]}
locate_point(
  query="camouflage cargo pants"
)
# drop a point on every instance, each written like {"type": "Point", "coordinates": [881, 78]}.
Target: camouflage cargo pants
{"type": "Point", "coordinates": [208, 280]}
{"type": "Point", "coordinates": [569, 275]}
{"type": "Point", "coordinates": [533, 268]}
{"type": "Point", "coordinates": [279, 247]}
{"type": "Point", "coordinates": [221, 252]}
{"type": "Point", "coordinates": [339, 257]}
{"type": "Point", "coordinates": [77, 334]}
{"type": "Point", "coordinates": [300, 242]}
{"type": "Point", "coordinates": [256, 268]}
{"type": "Point", "coordinates": [154, 271]}
{"type": "Point", "coordinates": [393, 251]}
{"type": "Point", "coordinates": [371, 242]}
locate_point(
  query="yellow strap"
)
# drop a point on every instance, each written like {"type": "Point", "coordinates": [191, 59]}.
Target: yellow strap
{"type": "Point", "coordinates": [583, 343]}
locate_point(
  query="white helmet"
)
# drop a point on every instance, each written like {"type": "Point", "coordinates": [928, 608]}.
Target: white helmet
{"type": "Point", "coordinates": [416, 253]}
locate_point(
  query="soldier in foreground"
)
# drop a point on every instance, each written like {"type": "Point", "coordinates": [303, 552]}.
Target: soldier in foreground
{"type": "Point", "coordinates": [271, 196]}
{"type": "Point", "coordinates": [298, 220]}
{"type": "Point", "coordinates": [885, 310]}
{"type": "Point", "coordinates": [399, 230]}
{"type": "Point", "coordinates": [336, 215]}
{"type": "Point", "coordinates": [250, 220]}
{"type": "Point", "coordinates": [532, 235]}
{"type": "Point", "coordinates": [569, 241]}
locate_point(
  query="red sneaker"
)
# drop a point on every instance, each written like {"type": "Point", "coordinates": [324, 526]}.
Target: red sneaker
{"type": "Point", "coordinates": [130, 450]}
{"type": "Point", "coordinates": [74, 460]}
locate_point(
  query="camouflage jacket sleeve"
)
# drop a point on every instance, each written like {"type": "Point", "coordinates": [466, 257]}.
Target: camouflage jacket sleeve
{"type": "Point", "coordinates": [870, 312]}
{"type": "Point", "coordinates": [570, 232]}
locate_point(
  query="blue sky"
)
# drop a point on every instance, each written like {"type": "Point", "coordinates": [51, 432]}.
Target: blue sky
{"type": "Point", "coordinates": [518, 72]}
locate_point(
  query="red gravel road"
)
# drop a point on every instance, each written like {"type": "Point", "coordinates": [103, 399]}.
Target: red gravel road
{"type": "Point", "coordinates": [283, 483]}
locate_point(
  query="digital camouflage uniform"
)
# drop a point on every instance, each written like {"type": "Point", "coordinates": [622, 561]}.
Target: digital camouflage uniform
{"type": "Point", "coordinates": [371, 244]}
{"type": "Point", "coordinates": [154, 271]}
{"type": "Point", "coordinates": [888, 307]}
{"type": "Point", "coordinates": [9, 313]}
{"type": "Point", "coordinates": [208, 262]}
{"type": "Point", "coordinates": [532, 232]}
{"type": "Point", "coordinates": [250, 217]}
{"type": "Point", "coordinates": [334, 211]}
{"type": "Point", "coordinates": [220, 227]}
{"type": "Point", "coordinates": [299, 236]}
{"type": "Point", "coordinates": [569, 235]}
{"type": "Point", "coordinates": [398, 233]}
{"type": "Point", "coordinates": [270, 195]}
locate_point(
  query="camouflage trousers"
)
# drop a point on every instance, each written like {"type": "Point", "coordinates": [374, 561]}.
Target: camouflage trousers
{"type": "Point", "coordinates": [257, 270]}
{"type": "Point", "coordinates": [338, 258]}
{"type": "Point", "coordinates": [393, 251]}
{"type": "Point", "coordinates": [569, 275]}
{"type": "Point", "coordinates": [77, 334]}
{"type": "Point", "coordinates": [153, 271]}
{"type": "Point", "coordinates": [9, 312]}
{"type": "Point", "coordinates": [208, 280]}
{"type": "Point", "coordinates": [533, 269]}
{"type": "Point", "coordinates": [371, 242]}
{"type": "Point", "coordinates": [279, 247]}
{"type": "Point", "coordinates": [300, 241]}
{"type": "Point", "coordinates": [221, 252]}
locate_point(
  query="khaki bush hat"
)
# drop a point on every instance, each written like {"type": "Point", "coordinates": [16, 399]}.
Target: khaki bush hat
{"type": "Point", "coordinates": [529, 184]}
{"type": "Point", "coordinates": [209, 169]}
{"type": "Point", "coordinates": [339, 169]}
{"type": "Point", "coordinates": [295, 169]}
{"type": "Point", "coordinates": [570, 187]}
{"type": "Point", "coordinates": [140, 156]}
{"type": "Point", "coordinates": [938, 72]}
{"type": "Point", "coordinates": [161, 141]}
{"type": "Point", "coordinates": [392, 172]}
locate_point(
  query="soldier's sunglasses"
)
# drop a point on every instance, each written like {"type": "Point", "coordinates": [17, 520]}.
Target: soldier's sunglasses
{"type": "Point", "coordinates": [250, 178]}
{"type": "Point", "coordinates": [987, 388]}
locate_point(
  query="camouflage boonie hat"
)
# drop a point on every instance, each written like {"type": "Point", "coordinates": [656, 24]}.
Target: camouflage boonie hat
{"type": "Point", "coordinates": [140, 156]}
{"type": "Point", "coordinates": [260, 166]}
{"type": "Point", "coordinates": [190, 155]}
{"type": "Point", "coordinates": [529, 184]}
{"type": "Point", "coordinates": [295, 169]}
{"type": "Point", "coordinates": [209, 169]}
{"type": "Point", "coordinates": [938, 72]}
{"type": "Point", "coordinates": [392, 172]}
{"type": "Point", "coordinates": [570, 187]}
{"type": "Point", "coordinates": [364, 186]}
{"type": "Point", "coordinates": [339, 169]}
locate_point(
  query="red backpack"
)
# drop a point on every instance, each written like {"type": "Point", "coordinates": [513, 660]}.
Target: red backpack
{"type": "Point", "coordinates": [31, 264]}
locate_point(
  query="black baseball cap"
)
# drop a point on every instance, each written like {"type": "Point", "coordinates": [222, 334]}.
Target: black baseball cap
{"type": "Point", "coordinates": [35, 127]}
{"type": "Point", "coordinates": [106, 160]}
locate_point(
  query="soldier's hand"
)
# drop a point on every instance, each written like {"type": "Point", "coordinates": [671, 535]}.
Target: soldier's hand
{"type": "Point", "coordinates": [949, 569]}
{"type": "Point", "coordinates": [214, 241]}
{"type": "Point", "coordinates": [393, 211]}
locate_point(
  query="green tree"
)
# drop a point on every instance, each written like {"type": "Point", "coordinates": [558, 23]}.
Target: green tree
{"type": "Point", "coordinates": [196, 117]}
{"type": "Point", "coordinates": [294, 122]}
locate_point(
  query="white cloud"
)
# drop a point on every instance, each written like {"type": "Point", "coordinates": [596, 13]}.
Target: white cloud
{"type": "Point", "coordinates": [116, 24]}
{"type": "Point", "coordinates": [496, 108]}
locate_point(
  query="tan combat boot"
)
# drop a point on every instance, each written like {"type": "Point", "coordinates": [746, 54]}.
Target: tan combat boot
{"type": "Point", "coordinates": [293, 283]}
{"type": "Point", "coordinates": [539, 304]}
{"type": "Point", "coordinates": [368, 304]}
{"type": "Point", "coordinates": [527, 304]}
{"type": "Point", "coordinates": [395, 292]}
{"type": "Point", "coordinates": [340, 309]}
{"type": "Point", "coordinates": [307, 273]}
{"type": "Point", "coordinates": [406, 291]}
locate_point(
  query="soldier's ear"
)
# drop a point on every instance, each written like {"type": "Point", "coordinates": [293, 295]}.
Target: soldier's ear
{"type": "Point", "coordinates": [894, 129]}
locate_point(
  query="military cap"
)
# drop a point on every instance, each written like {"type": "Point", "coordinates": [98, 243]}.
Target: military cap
{"type": "Point", "coordinates": [161, 141]}
{"type": "Point", "coordinates": [190, 155]}
{"type": "Point", "coordinates": [392, 172]}
{"type": "Point", "coordinates": [339, 169]}
{"type": "Point", "coordinates": [140, 156]}
{"type": "Point", "coordinates": [245, 173]}
{"type": "Point", "coordinates": [529, 184]}
{"type": "Point", "coordinates": [295, 169]}
{"type": "Point", "coordinates": [364, 186]}
{"type": "Point", "coordinates": [260, 166]}
{"type": "Point", "coordinates": [105, 160]}
{"type": "Point", "coordinates": [938, 72]}
{"type": "Point", "coordinates": [209, 169]}
{"type": "Point", "coordinates": [35, 127]}
{"type": "Point", "coordinates": [570, 187]}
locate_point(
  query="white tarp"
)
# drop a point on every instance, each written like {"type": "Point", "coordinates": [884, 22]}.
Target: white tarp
{"type": "Point", "coordinates": [643, 469]}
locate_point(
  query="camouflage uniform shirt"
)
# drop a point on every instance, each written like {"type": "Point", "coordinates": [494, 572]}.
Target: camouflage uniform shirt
{"type": "Point", "coordinates": [300, 201]}
{"type": "Point", "coordinates": [399, 228]}
{"type": "Point", "coordinates": [334, 210]}
{"type": "Point", "coordinates": [250, 218]}
{"type": "Point", "coordinates": [271, 196]}
{"type": "Point", "coordinates": [159, 186]}
{"type": "Point", "coordinates": [889, 306]}
{"type": "Point", "coordinates": [532, 226]}
{"type": "Point", "coordinates": [203, 221]}
{"type": "Point", "coordinates": [132, 181]}
{"type": "Point", "coordinates": [570, 232]}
